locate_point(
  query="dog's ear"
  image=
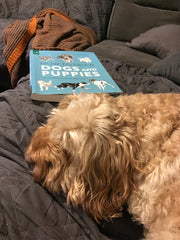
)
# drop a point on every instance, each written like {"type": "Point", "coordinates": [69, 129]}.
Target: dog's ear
{"type": "Point", "coordinates": [104, 180]}
{"type": "Point", "coordinates": [47, 159]}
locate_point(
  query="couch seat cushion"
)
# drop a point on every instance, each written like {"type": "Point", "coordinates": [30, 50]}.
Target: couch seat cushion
{"type": "Point", "coordinates": [119, 51]}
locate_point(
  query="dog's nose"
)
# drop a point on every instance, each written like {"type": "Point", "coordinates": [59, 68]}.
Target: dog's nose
{"type": "Point", "coordinates": [29, 159]}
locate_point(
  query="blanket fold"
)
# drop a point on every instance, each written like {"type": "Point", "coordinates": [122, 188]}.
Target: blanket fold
{"type": "Point", "coordinates": [51, 29]}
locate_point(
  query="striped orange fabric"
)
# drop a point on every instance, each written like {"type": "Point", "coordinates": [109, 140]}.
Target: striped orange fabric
{"type": "Point", "coordinates": [49, 32]}
{"type": "Point", "coordinates": [21, 46]}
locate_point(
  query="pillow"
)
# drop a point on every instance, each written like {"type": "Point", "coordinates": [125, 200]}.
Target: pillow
{"type": "Point", "coordinates": [129, 18]}
{"type": "Point", "coordinates": [168, 67]}
{"type": "Point", "coordinates": [162, 41]}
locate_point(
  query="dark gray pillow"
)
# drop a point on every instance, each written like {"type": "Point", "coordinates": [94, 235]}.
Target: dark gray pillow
{"type": "Point", "coordinates": [130, 18]}
{"type": "Point", "coordinates": [168, 67]}
{"type": "Point", "coordinates": [162, 41]}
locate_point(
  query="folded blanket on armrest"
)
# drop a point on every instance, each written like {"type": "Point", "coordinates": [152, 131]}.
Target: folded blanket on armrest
{"type": "Point", "coordinates": [51, 29]}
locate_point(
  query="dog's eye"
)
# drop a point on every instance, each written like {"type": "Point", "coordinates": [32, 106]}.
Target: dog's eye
{"type": "Point", "coordinates": [113, 117]}
{"type": "Point", "coordinates": [31, 165]}
{"type": "Point", "coordinates": [116, 116]}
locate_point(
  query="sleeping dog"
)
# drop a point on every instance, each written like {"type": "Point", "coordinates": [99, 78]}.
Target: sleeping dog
{"type": "Point", "coordinates": [104, 152]}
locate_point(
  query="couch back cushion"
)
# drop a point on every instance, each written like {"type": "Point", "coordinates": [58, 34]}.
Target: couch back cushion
{"type": "Point", "coordinates": [129, 18]}
{"type": "Point", "coordinates": [94, 13]}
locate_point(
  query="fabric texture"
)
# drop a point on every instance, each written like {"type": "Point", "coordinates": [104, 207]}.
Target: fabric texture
{"type": "Point", "coordinates": [162, 41]}
{"type": "Point", "coordinates": [27, 9]}
{"type": "Point", "coordinates": [168, 67]}
{"type": "Point", "coordinates": [130, 18]}
{"type": "Point", "coordinates": [3, 67]}
{"type": "Point", "coordinates": [93, 14]}
{"type": "Point", "coordinates": [52, 28]}
{"type": "Point", "coordinates": [120, 51]}
{"type": "Point", "coordinates": [27, 210]}
{"type": "Point", "coordinates": [132, 79]}
{"type": "Point", "coordinates": [161, 4]}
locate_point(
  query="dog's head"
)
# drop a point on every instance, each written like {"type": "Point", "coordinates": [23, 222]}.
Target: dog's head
{"type": "Point", "coordinates": [86, 149]}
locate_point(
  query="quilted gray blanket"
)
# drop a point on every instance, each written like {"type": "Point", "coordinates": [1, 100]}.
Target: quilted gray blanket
{"type": "Point", "coordinates": [27, 210]}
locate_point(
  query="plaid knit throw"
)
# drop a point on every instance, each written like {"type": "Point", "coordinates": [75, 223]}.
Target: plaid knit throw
{"type": "Point", "coordinates": [51, 29]}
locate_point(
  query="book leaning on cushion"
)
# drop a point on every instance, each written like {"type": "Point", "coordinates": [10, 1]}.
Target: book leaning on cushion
{"type": "Point", "coordinates": [54, 74]}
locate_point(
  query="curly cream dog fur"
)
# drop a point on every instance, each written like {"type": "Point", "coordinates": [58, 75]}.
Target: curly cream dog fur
{"type": "Point", "coordinates": [104, 151]}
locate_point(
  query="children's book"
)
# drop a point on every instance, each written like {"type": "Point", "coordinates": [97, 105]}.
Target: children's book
{"type": "Point", "coordinates": [54, 74]}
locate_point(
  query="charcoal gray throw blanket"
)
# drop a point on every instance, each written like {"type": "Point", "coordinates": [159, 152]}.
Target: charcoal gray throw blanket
{"type": "Point", "coordinates": [27, 210]}
{"type": "Point", "coordinates": [133, 79]}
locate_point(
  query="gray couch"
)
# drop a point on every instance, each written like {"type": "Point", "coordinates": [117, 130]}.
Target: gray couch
{"type": "Point", "coordinates": [129, 19]}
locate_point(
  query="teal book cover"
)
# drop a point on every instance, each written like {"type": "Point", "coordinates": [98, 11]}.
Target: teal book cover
{"type": "Point", "coordinates": [56, 73]}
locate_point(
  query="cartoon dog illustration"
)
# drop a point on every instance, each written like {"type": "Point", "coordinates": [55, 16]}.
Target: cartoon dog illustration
{"type": "Point", "coordinates": [45, 58]}
{"type": "Point", "coordinates": [72, 85]}
{"type": "Point", "coordinates": [65, 57]}
{"type": "Point", "coordinates": [43, 84]}
{"type": "Point", "coordinates": [101, 84]}
{"type": "Point", "coordinates": [85, 59]}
